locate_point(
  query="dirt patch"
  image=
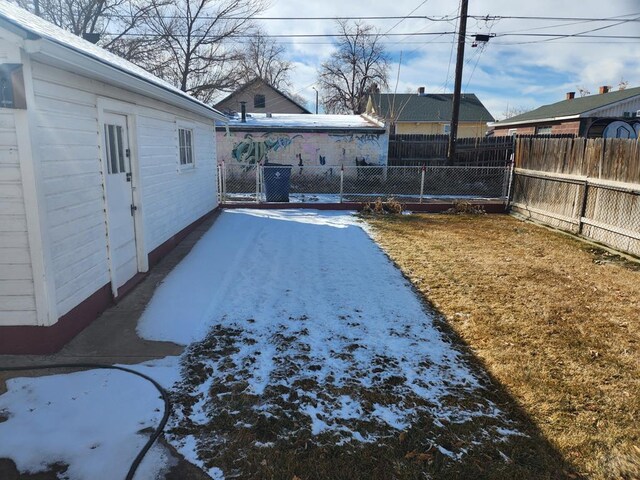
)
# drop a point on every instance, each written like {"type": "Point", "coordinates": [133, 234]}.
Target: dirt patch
{"type": "Point", "coordinates": [555, 321]}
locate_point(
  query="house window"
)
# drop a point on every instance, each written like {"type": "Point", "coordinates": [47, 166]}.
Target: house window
{"type": "Point", "coordinates": [259, 101]}
{"type": "Point", "coordinates": [446, 128]}
{"type": "Point", "coordinates": [512, 131]}
{"type": "Point", "coordinates": [185, 139]}
{"type": "Point", "coordinates": [543, 130]}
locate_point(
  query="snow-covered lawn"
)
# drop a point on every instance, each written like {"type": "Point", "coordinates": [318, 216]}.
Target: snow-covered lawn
{"type": "Point", "coordinates": [301, 333]}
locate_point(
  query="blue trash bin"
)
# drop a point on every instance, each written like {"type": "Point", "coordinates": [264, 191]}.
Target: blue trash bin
{"type": "Point", "coordinates": [277, 182]}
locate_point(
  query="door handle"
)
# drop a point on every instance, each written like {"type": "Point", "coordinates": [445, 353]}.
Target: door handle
{"type": "Point", "coordinates": [128, 176]}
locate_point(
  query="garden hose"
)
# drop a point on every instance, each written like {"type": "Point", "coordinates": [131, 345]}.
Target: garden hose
{"type": "Point", "coordinates": [163, 393]}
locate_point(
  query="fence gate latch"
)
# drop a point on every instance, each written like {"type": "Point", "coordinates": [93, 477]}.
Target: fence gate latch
{"type": "Point", "coordinates": [133, 209]}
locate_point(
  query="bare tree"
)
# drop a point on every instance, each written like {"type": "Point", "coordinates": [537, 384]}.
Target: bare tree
{"type": "Point", "coordinates": [582, 91]}
{"type": "Point", "coordinates": [108, 20]}
{"type": "Point", "coordinates": [358, 64]}
{"type": "Point", "coordinates": [193, 41]}
{"type": "Point", "coordinates": [299, 99]}
{"type": "Point", "coordinates": [264, 58]}
{"type": "Point", "coordinates": [512, 111]}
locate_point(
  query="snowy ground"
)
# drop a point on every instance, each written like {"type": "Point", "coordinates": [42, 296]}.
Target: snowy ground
{"type": "Point", "coordinates": [299, 328]}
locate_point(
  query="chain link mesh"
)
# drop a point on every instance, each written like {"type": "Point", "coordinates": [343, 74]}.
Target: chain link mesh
{"type": "Point", "coordinates": [246, 183]}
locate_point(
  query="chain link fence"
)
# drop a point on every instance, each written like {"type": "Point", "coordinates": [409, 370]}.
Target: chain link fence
{"type": "Point", "coordinates": [246, 183]}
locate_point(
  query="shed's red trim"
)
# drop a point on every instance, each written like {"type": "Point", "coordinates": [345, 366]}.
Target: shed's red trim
{"type": "Point", "coordinates": [28, 339]}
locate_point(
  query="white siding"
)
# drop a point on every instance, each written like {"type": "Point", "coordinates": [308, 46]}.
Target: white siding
{"type": "Point", "coordinates": [173, 197]}
{"type": "Point", "coordinates": [69, 138]}
{"type": "Point", "coordinates": [632, 105]}
{"type": "Point", "coordinates": [17, 297]}
{"type": "Point", "coordinates": [67, 135]}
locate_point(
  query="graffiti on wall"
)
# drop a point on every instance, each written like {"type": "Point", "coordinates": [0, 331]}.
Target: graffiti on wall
{"type": "Point", "coordinates": [362, 139]}
{"type": "Point", "coordinates": [305, 149]}
{"type": "Point", "coordinates": [251, 150]}
{"type": "Point", "coordinates": [614, 128]}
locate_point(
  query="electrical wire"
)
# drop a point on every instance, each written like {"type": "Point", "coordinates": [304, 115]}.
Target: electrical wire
{"type": "Point", "coordinates": [406, 17]}
{"type": "Point", "coordinates": [85, 366]}
{"type": "Point", "coordinates": [453, 43]}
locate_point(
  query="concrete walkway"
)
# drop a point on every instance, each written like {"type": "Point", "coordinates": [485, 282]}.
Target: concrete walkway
{"type": "Point", "coordinates": [112, 337]}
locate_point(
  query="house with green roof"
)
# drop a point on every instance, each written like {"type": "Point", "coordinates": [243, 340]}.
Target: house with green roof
{"type": "Point", "coordinates": [429, 113]}
{"type": "Point", "coordinates": [588, 116]}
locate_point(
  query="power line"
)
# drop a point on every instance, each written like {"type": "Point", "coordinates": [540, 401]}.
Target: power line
{"type": "Point", "coordinates": [439, 18]}
{"type": "Point", "coordinates": [285, 35]}
{"type": "Point", "coordinates": [404, 18]}
{"type": "Point", "coordinates": [581, 19]}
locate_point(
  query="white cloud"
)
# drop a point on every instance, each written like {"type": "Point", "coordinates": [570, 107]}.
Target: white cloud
{"type": "Point", "coordinates": [510, 70]}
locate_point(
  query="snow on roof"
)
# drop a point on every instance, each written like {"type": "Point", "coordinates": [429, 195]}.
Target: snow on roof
{"type": "Point", "coordinates": [42, 28]}
{"type": "Point", "coordinates": [299, 120]}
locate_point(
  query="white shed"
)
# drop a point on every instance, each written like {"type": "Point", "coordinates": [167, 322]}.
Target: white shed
{"type": "Point", "coordinates": [103, 168]}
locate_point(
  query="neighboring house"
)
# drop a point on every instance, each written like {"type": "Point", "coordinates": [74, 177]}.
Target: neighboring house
{"type": "Point", "coordinates": [103, 168]}
{"type": "Point", "coordinates": [259, 97]}
{"type": "Point", "coordinates": [608, 114]}
{"type": "Point", "coordinates": [429, 113]}
{"type": "Point", "coordinates": [327, 141]}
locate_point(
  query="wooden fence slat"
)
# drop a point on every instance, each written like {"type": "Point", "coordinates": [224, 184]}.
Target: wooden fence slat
{"type": "Point", "coordinates": [591, 183]}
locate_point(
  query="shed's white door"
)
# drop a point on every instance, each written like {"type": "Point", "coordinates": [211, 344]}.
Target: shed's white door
{"type": "Point", "coordinates": [122, 239]}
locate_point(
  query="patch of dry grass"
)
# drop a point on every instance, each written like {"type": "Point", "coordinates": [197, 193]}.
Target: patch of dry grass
{"type": "Point", "coordinates": [269, 436]}
{"type": "Point", "coordinates": [555, 322]}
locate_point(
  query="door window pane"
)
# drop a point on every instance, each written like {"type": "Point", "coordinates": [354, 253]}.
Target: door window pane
{"type": "Point", "coordinates": [115, 149]}
{"type": "Point", "coordinates": [120, 149]}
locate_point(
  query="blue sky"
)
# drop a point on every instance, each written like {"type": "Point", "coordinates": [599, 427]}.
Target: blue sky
{"type": "Point", "coordinates": [511, 71]}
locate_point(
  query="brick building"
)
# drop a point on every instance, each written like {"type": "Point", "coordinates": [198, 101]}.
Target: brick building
{"type": "Point", "coordinates": [582, 116]}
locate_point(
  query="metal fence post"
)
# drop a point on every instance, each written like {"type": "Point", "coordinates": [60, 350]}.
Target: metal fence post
{"type": "Point", "coordinates": [258, 165]}
{"type": "Point", "coordinates": [219, 183]}
{"type": "Point", "coordinates": [510, 180]}
{"type": "Point", "coordinates": [583, 206]}
{"type": "Point", "coordinates": [223, 190]}
{"type": "Point", "coordinates": [341, 182]}
{"type": "Point", "coordinates": [424, 169]}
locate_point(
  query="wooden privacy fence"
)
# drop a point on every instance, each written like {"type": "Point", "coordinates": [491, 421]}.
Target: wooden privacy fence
{"type": "Point", "coordinates": [590, 187]}
{"type": "Point", "coordinates": [411, 150]}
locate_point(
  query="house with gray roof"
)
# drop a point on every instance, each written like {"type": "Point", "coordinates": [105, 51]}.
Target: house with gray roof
{"type": "Point", "coordinates": [606, 114]}
{"type": "Point", "coordinates": [429, 113]}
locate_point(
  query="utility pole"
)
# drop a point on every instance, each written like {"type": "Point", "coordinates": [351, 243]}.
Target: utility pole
{"type": "Point", "coordinates": [455, 111]}
{"type": "Point", "coordinates": [316, 99]}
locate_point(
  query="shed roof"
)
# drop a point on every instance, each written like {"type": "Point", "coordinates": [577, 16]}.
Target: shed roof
{"type": "Point", "coordinates": [302, 121]}
{"type": "Point", "coordinates": [574, 107]}
{"type": "Point", "coordinates": [45, 40]}
{"type": "Point", "coordinates": [430, 107]}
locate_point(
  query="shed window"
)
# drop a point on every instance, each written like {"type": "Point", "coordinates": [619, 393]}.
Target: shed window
{"type": "Point", "coordinates": [259, 101]}
{"type": "Point", "coordinates": [114, 149]}
{"type": "Point", "coordinates": [543, 130]}
{"type": "Point", "coordinates": [185, 138]}
{"type": "Point", "coordinates": [446, 128]}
